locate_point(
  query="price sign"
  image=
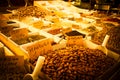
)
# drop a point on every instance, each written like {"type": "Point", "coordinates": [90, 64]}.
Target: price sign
{"type": "Point", "coordinates": [11, 66]}
{"type": "Point", "coordinates": [54, 31]}
{"type": "Point", "coordinates": [38, 48]}
{"type": "Point", "coordinates": [79, 19]}
{"type": "Point", "coordinates": [56, 20]}
{"type": "Point", "coordinates": [19, 33]}
{"type": "Point", "coordinates": [65, 30]}
{"type": "Point", "coordinates": [75, 40]}
{"type": "Point", "coordinates": [38, 24]}
{"type": "Point", "coordinates": [56, 25]}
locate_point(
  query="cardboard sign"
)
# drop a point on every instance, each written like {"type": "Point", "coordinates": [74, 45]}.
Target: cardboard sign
{"type": "Point", "coordinates": [75, 40]}
{"type": "Point", "coordinates": [38, 48]}
{"type": "Point", "coordinates": [65, 30]}
{"type": "Point", "coordinates": [54, 31]}
{"type": "Point", "coordinates": [56, 25]}
{"type": "Point", "coordinates": [56, 20]}
{"type": "Point", "coordinates": [38, 24]}
{"type": "Point", "coordinates": [19, 33]}
{"type": "Point", "coordinates": [11, 66]}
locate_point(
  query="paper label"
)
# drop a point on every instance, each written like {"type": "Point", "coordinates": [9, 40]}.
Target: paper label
{"type": "Point", "coordinates": [56, 20]}
{"type": "Point", "coordinates": [56, 25]}
{"type": "Point", "coordinates": [19, 33]}
{"type": "Point", "coordinates": [11, 67]}
{"type": "Point", "coordinates": [38, 24]}
{"type": "Point", "coordinates": [54, 31]}
{"type": "Point", "coordinates": [38, 48]}
{"type": "Point", "coordinates": [65, 30]}
{"type": "Point", "coordinates": [75, 40]}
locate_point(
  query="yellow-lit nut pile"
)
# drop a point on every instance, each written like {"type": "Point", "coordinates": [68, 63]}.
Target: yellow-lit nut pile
{"type": "Point", "coordinates": [76, 63]}
{"type": "Point", "coordinates": [99, 36]}
{"type": "Point", "coordinates": [33, 11]}
{"type": "Point", "coordinates": [114, 41]}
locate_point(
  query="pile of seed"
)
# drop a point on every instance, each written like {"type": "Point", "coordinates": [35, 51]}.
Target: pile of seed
{"type": "Point", "coordinates": [76, 63]}
{"type": "Point", "coordinates": [28, 39]}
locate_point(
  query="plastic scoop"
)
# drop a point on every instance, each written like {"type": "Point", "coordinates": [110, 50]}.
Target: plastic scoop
{"type": "Point", "coordinates": [103, 46]}
{"type": "Point", "coordinates": [37, 69]}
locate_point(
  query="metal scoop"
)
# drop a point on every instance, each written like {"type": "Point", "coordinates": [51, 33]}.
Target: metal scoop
{"type": "Point", "coordinates": [103, 46]}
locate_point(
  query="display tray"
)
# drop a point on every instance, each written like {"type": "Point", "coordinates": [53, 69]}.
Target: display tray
{"type": "Point", "coordinates": [12, 46]}
{"type": "Point", "coordinates": [7, 26]}
{"type": "Point", "coordinates": [73, 33]}
{"type": "Point", "coordinates": [30, 38]}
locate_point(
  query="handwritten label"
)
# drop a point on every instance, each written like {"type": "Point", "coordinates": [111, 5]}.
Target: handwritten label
{"type": "Point", "coordinates": [11, 66]}
{"type": "Point", "coordinates": [19, 33]}
{"type": "Point", "coordinates": [56, 20]}
{"type": "Point", "coordinates": [38, 24]}
{"type": "Point", "coordinates": [65, 30]}
{"type": "Point", "coordinates": [75, 40]}
{"type": "Point", "coordinates": [75, 26]}
{"type": "Point", "coordinates": [54, 31]}
{"type": "Point", "coordinates": [79, 19]}
{"type": "Point", "coordinates": [12, 76]}
{"type": "Point", "coordinates": [38, 48]}
{"type": "Point", "coordinates": [56, 25]}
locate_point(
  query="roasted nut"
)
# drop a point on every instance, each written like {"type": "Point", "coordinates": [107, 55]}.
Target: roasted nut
{"type": "Point", "coordinates": [76, 63]}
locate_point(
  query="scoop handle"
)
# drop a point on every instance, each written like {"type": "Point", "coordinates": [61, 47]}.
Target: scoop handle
{"type": "Point", "coordinates": [38, 66]}
{"type": "Point", "coordinates": [105, 40]}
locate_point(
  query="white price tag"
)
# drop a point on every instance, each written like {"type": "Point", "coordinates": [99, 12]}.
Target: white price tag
{"type": "Point", "coordinates": [39, 47]}
{"type": "Point", "coordinates": [75, 40]}
{"type": "Point", "coordinates": [19, 33]}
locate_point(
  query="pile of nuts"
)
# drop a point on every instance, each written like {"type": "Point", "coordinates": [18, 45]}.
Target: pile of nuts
{"type": "Point", "coordinates": [33, 11]}
{"type": "Point", "coordinates": [76, 63]}
{"type": "Point", "coordinates": [113, 42]}
{"type": "Point", "coordinates": [99, 36]}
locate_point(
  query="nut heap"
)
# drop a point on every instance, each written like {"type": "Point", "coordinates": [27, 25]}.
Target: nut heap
{"type": "Point", "coordinates": [33, 11]}
{"type": "Point", "coordinates": [99, 36]}
{"type": "Point", "coordinates": [114, 40]}
{"type": "Point", "coordinates": [76, 63]}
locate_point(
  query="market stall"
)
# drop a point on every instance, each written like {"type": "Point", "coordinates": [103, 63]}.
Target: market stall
{"type": "Point", "coordinates": [58, 41]}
